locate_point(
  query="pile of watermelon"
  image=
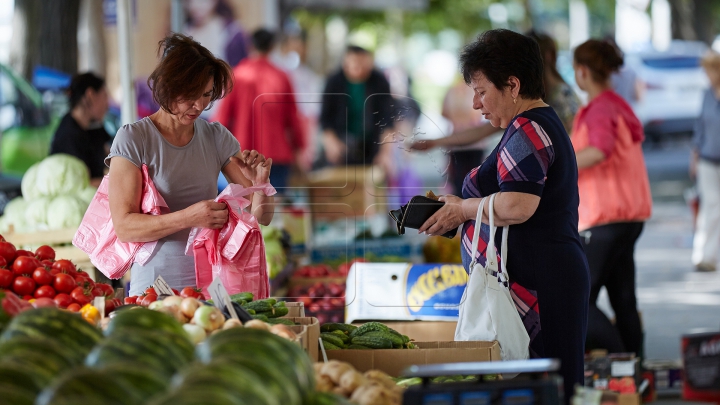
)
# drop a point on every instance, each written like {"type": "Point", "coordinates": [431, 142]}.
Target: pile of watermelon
{"type": "Point", "coordinates": [50, 356]}
{"type": "Point", "coordinates": [38, 277]}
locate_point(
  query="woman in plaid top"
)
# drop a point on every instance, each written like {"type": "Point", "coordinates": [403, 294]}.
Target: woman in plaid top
{"type": "Point", "coordinates": [533, 171]}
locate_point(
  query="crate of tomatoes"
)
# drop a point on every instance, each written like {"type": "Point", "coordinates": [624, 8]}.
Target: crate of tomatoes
{"type": "Point", "coordinates": [321, 289]}
{"type": "Point", "coordinates": [40, 279]}
{"type": "Point", "coordinates": [150, 295]}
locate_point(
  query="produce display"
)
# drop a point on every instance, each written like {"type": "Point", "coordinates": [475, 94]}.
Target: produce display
{"type": "Point", "coordinates": [56, 194]}
{"type": "Point", "coordinates": [320, 289]}
{"type": "Point", "coordinates": [51, 356]}
{"type": "Point", "coordinates": [275, 254]}
{"type": "Point", "coordinates": [43, 281]}
{"type": "Point", "coordinates": [372, 388]}
{"type": "Point", "coordinates": [371, 335]}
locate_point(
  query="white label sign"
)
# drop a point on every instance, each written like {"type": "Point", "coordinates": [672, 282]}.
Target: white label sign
{"type": "Point", "coordinates": [99, 303]}
{"type": "Point", "coordinates": [218, 293]}
{"type": "Point", "coordinates": [162, 287]}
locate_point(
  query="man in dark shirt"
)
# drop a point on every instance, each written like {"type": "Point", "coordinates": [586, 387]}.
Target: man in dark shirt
{"type": "Point", "coordinates": [81, 133]}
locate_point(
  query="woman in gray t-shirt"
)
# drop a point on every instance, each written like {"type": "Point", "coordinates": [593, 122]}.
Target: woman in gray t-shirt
{"type": "Point", "coordinates": [184, 156]}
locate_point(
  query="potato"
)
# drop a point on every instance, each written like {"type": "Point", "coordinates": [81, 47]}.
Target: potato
{"type": "Point", "coordinates": [324, 384]}
{"type": "Point", "coordinates": [351, 380]}
{"type": "Point", "coordinates": [335, 369]}
{"type": "Point", "coordinates": [372, 395]}
{"type": "Point", "coordinates": [381, 378]}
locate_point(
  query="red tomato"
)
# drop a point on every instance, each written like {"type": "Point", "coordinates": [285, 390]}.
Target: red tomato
{"type": "Point", "coordinates": [79, 295]}
{"type": "Point", "coordinates": [7, 251]}
{"type": "Point", "coordinates": [173, 290]}
{"type": "Point", "coordinates": [6, 278]}
{"type": "Point", "coordinates": [23, 285]}
{"type": "Point", "coordinates": [25, 265]}
{"type": "Point", "coordinates": [64, 283]}
{"type": "Point", "coordinates": [54, 272]}
{"type": "Point", "coordinates": [44, 291]}
{"type": "Point", "coordinates": [84, 281]}
{"type": "Point", "coordinates": [44, 302]}
{"type": "Point", "coordinates": [201, 297]}
{"type": "Point", "coordinates": [47, 263]}
{"type": "Point", "coordinates": [191, 292]}
{"type": "Point", "coordinates": [150, 290]}
{"type": "Point", "coordinates": [74, 307]}
{"type": "Point", "coordinates": [148, 299]}
{"type": "Point", "coordinates": [63, 300]}
{"type": "Point", "coordinates": [45, 252]}
{"type": "Point", "coordinates": [22, 252]}
{"type": "Point", "coordinates": [131, 300]}
{"type": "Point", "coordinates": [111, 304]}
{"type": "Point", "coordinates": [3, 262]}
{"type": "Point", "coordinates": [65, 266]}
{"type": "Point", "coordinates": [107, 290]}
{"type": "Point", "coordinates": [42, 276]}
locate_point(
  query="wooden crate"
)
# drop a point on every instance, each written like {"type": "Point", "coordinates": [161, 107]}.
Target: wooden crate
{"type": "Point", "coordinates": [60, 240]}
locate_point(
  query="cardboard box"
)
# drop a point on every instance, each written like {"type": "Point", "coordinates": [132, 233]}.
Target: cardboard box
{"type": "Point", "coordinates": [629, 399]}
{"type": "Point", "coordinates": [295, 310]}
{"type": "Point", "coordinates": [301, 332]}
{"type": "Point", "coordinates": [424, 331]}
{"type": "Point", "coordinates": [395, 361]}
{"type": "Point", "coordinates": [339, 192]}
{"type": "Point", "coordinates": [312, 334]}
{"type": "Point", "coordinates": [701, 361]}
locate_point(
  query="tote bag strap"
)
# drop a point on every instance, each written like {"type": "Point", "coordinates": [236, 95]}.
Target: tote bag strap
{"type": "Point", "coordinates": [476, 234]}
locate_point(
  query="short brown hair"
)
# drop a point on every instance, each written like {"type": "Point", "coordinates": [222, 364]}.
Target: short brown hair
{"type": "Point", "coordinates": [184, 69]}
{"type": "Point", "coordinates": [711, 61]}
{"type": "Point", "coordinates": [600, 57]}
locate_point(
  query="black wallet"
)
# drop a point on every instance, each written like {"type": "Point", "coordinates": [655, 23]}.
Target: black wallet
{"type": "Point", "coordinates": [416, 212]}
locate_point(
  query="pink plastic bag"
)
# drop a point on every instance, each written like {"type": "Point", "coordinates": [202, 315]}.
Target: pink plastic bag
{"type": "Point", "coordinates": [235, 253]}
{"type": "Point", "coordinates": [96, 234]}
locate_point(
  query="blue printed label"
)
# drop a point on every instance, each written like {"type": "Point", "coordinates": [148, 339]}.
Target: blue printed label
{"type": "Point", "coordinates": [435, 289]}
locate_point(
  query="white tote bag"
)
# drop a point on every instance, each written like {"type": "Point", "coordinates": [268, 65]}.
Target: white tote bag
{"type": "Point", "coordinates": [487, 311]}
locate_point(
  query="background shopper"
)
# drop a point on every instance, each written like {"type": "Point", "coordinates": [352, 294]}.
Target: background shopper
{"type": "Point", "coordinates": [615, 195]}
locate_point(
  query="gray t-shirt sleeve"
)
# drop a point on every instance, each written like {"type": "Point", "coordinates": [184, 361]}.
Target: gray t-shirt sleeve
{"type": "Point", "coordinates": [227, 145]}
{"type": "Point", "coordinates": [128, 144]}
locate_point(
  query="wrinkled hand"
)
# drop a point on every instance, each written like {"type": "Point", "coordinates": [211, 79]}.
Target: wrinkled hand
{"type": "Point", "coordinates": [253, 166]}
{"type": "Point", "coordinates": [207, 214]}
{"type": "Point", "coordinates": [446, 218]}
{"type": "Point", "coordinates": [426, 144]}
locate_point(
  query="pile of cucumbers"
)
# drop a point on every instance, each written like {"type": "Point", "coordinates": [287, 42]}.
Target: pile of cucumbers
{"type": "Point", "coordinates": [371, 335]}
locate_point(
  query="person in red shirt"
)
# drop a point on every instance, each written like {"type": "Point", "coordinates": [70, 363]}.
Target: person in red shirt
{"type": "Point", "coordinates": [261, 111]}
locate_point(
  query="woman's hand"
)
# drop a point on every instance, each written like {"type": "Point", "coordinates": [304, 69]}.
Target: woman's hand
{"type": "Point", "coordinates": [253, 166]}
{"type": "Point", "coordinates": [207, 214]}
{"type": "Point", "coordinates": [446, 218]}
{"type": "Point", "coordinates": [425, 144]}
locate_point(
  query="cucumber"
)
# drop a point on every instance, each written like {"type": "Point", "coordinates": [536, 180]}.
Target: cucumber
{"type": "Point", "coordinates": [345, 338]}
{"type": "Point", "coordinates": [373, 342]}
{"type": "Point", "coordinates": [330, 327]}
{"type": "Point", "coordinates": [260, 317]}
{"type": "Point", "coordinates": [245, 296]}
{"type": "Point", "coordinates": [265, 305]}
{"type": "Point", "coordinates": [396, 340]}
{"type": "Point", "coordinates": [358, 347]}
{"type": "Point", "coordinates": [369, 327]}
{"type": "Point", "coordinates": [332, 338]}
{"type": "Point", "coordinates": [329, 346]}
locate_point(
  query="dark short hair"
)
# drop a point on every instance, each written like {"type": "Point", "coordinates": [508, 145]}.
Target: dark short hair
{"type": "Point", "coordinates": [499, 54]}
{"type": "Point", "coordinates": [600, 57]}
{"type": "Point", "coordinates": [357, 50]}
{"type": "Point", "coordinates": [263, 40]}
{"type": "Point", "coordinates": [184, 69]}
{"type": "Point", "coordinates": [79, 85]}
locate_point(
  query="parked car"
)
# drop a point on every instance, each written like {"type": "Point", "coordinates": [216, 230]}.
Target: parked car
{"type": "Point", "coordinates": [674, 83]}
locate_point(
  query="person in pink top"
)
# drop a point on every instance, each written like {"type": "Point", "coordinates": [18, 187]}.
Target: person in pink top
{"type": "Point", "coordinates": [614, 196]}
{"type": "Point", "coordinates": [261, 110]}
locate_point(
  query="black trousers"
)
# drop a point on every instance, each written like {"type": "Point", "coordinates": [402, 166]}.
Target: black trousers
{"type": "Point", "coordinates": [610, 252]}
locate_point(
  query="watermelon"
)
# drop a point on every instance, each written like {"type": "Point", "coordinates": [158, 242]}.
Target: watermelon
{"type": "Point", "coordinates": [326, 398]}
{"type": "Point", "coordinates": [199, 396]}
{"type": "Point", "coordinates": [284, 355]}
{"type": "Point", "coordinates": [12, 395]}
{"type": "Point", "coordinates": [66, 328]}
{"type": "Point", "coordinates": [85, 386]}
{"type": "Point", "coordinates": [154, 350]}
{"type": "Point", "coordinates": [38, 353]}
{"type": "Point", "coordinates": [225, 376]}
{"type": "Point", "coordinates": [144, 382]}
{"type": "Point", "coordinates": [23, 377]}
{"type": "Point", "coordinates": [143, 318]}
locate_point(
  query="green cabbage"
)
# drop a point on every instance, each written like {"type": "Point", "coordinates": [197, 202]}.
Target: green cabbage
{"type": "Point", "coordinates": [14, 216]}
{"type": "Point", "coordinates": [66, 211]}
{"type": "Point", "coordinates": [60, 174]}
{"type": "Point", "coordinates": [87, 194]}
{"type": "Point", "coordinates": [36, 213]}
{"type": "Point", "coordinates": [29, 180]}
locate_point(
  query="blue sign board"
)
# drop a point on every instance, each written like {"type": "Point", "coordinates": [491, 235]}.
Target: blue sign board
{"type": "Point", "coordinates": [434, 289]}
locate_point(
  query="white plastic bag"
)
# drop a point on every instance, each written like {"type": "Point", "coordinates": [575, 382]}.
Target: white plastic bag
{"type": "Point", "coordinates": [487, 311]}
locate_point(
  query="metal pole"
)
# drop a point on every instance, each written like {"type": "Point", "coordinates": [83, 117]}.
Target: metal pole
{"type": "Point", "coordinates": [177, 16]}
{"type": "Point", "coordinates": [124, 27]}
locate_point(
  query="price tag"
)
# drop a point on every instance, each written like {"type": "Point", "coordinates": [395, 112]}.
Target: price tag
{"type": "Point", "coordinates": [99, 303]}
{"type": "Point", "coordinates": [162, 287]}
{"type": "Point", "coordinates": [218, 293]}
{"type": "Point", "coordinates": [231, 309]}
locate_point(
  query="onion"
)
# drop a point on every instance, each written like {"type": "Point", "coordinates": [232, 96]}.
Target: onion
{"type": "Point", "coordinates": [155, 305]}
{"type": "Point", "coordinates": [173, 300]}
{"type": "Point", "coordinates": [257, 324]}
{"type": "Point", "coordinates": [209, 318]}
{"type": "Point", "coordinates": [173, 311]}
{"type": "Point", "coordinates": [283, 331]}
{"type": "Point", "coordinates": [196, 333]}
{"type": "Point", "coordinates": [188, 306]}
{"type": "Point", "coordinates": [232, 323]}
